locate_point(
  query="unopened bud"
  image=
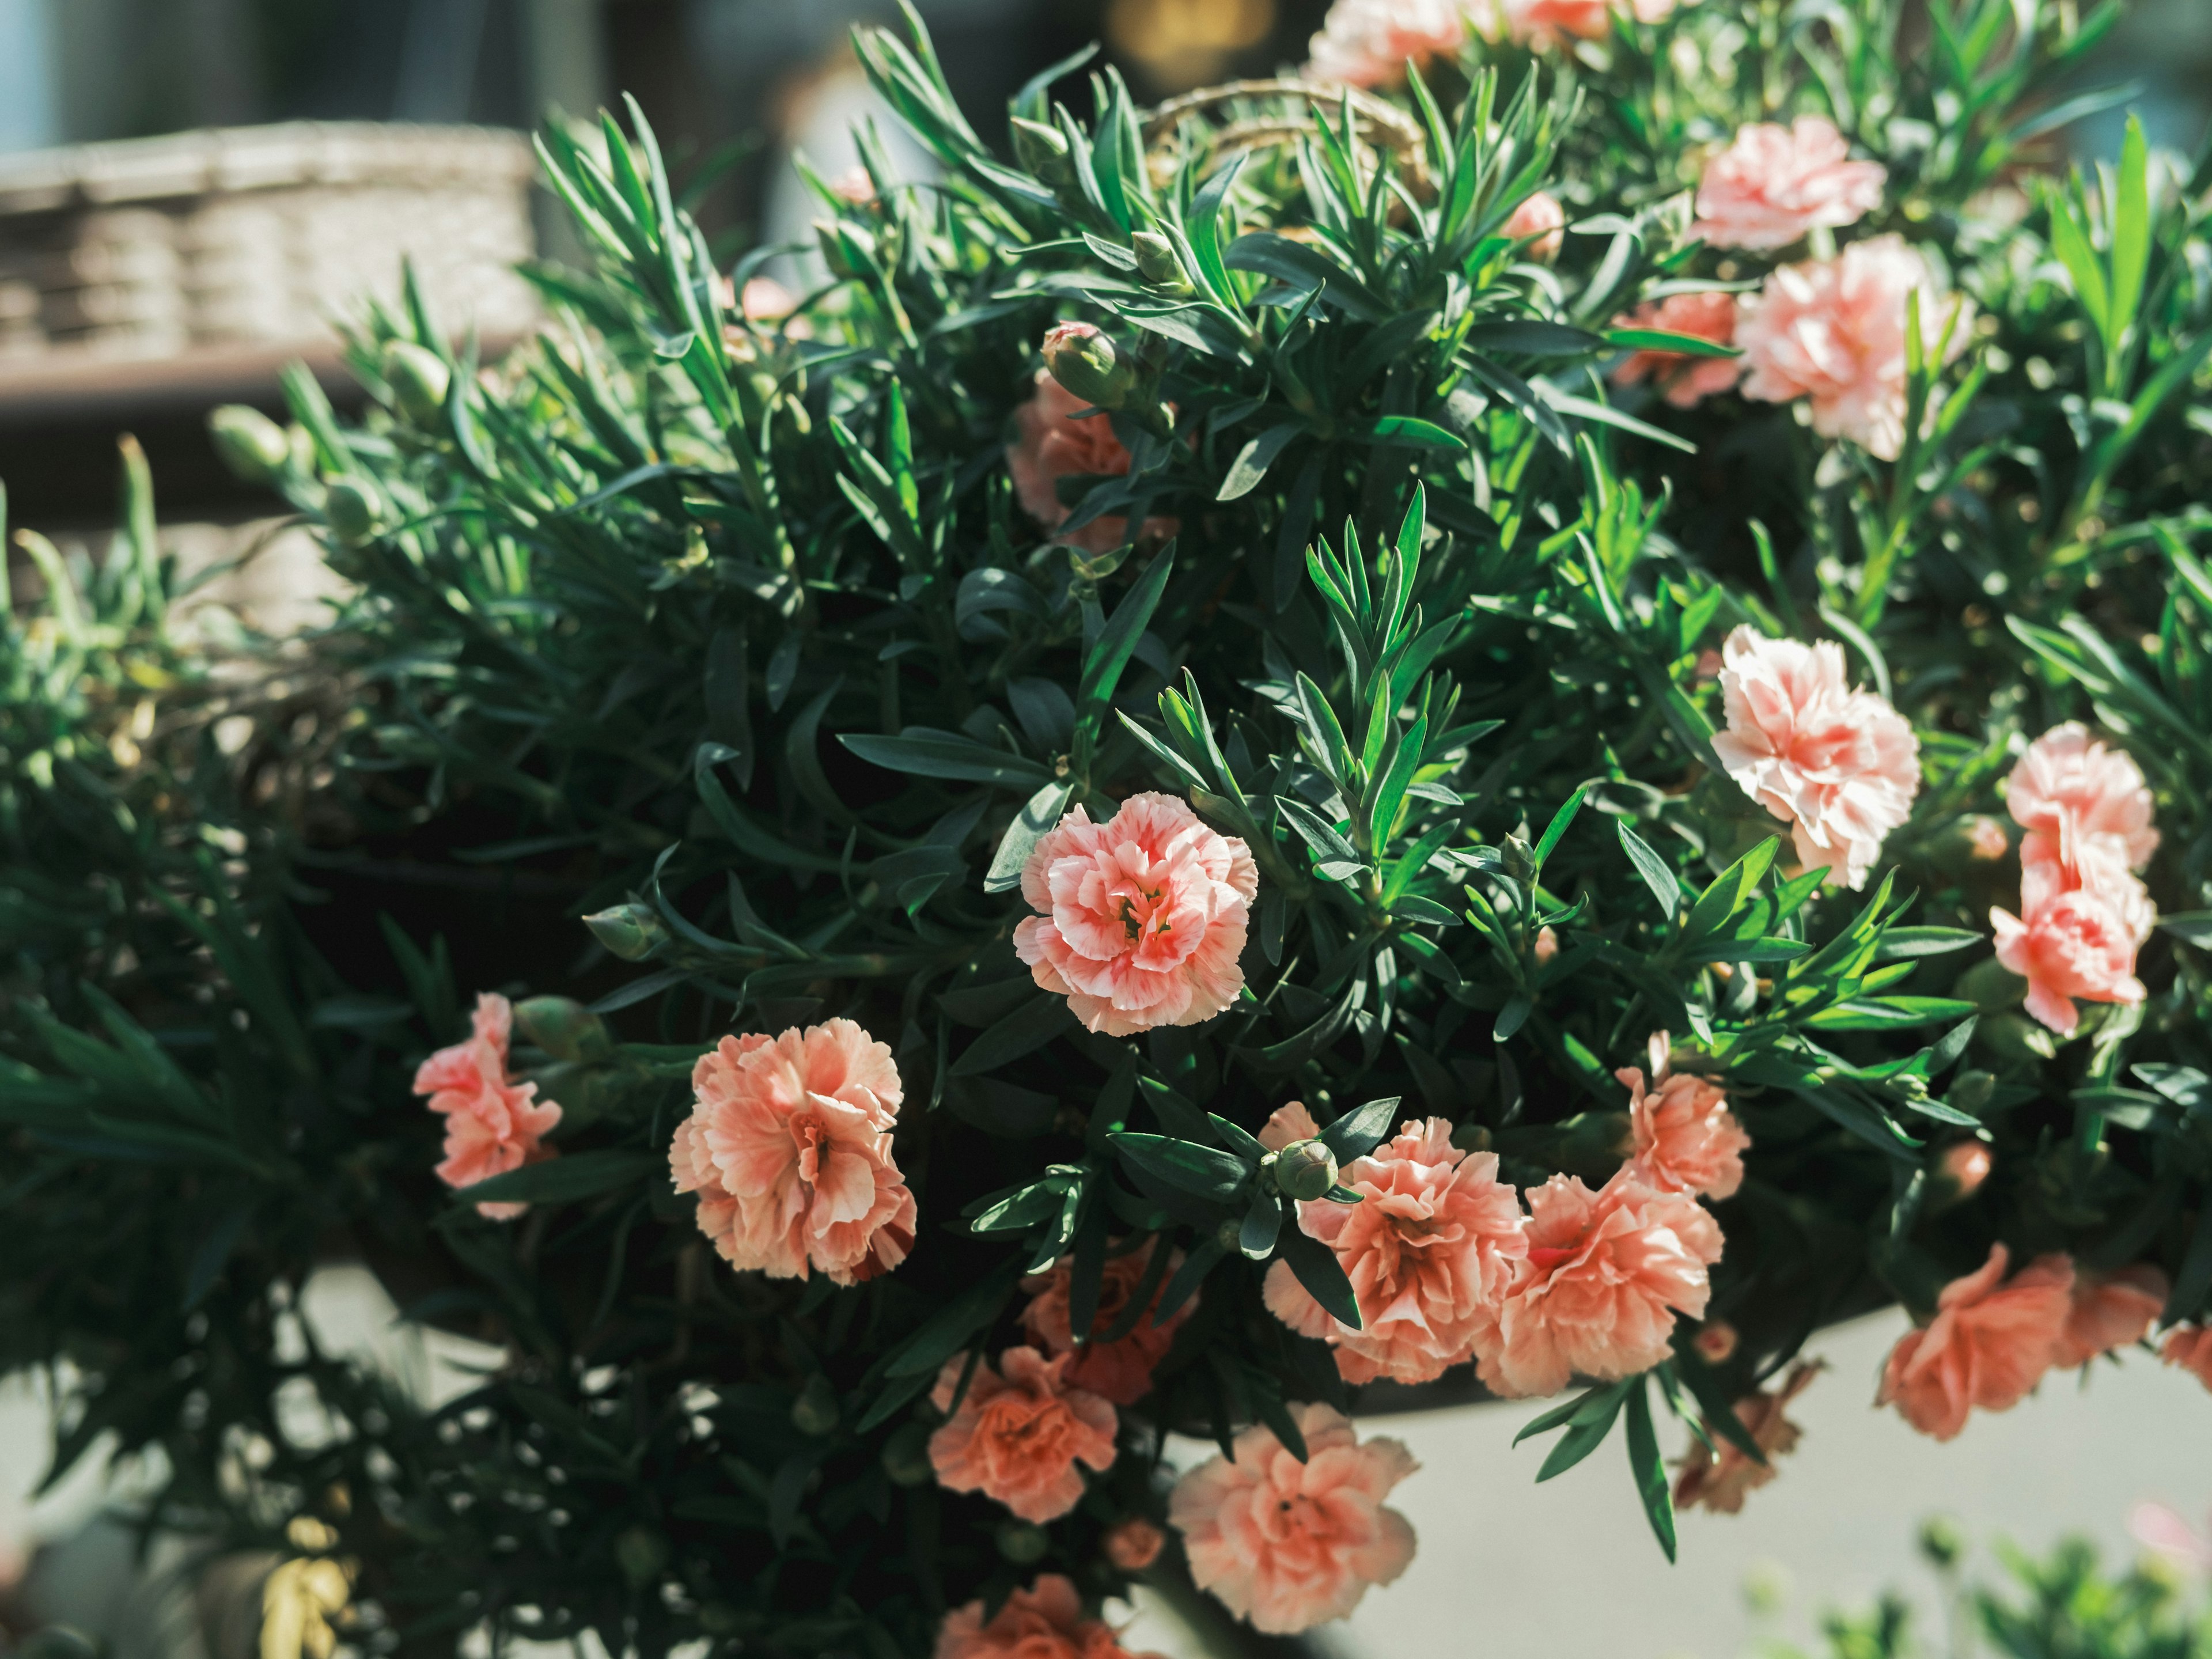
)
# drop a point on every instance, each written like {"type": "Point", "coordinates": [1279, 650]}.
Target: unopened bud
{"type": "Point", "coordinates": [1941, 1543]}
{"type": "Point", "coordinates": [1084, 360]}
{"type": "Point", "coordinates": [419, 381]}
{"type": "Point", "coordinates": [1965, 1164]}
{"type": "Point", "coordinates": [563, 1028]}
{"type": "Point", "coordinates": [1134, 1545]}
{"type": "Point", "coordinates": [1042, 151]}
{"type": "Point", "coordinates": [641, 1553]}
{"type": "Point", "coordinates": [1715, 1341]}
{"type": "Point", "coordinates": [1545, 948]}
{"type": "Point", "coordinates": [253, 446]}
{"type": "Point", "coordinates": [1156, 260]}
{"type": "Point", "coordinates": [1022, 1542]}
{"type": "Point", "coordinates": [1305, 1169]}
{"type": "Point", "coordinates": [848, 250]}
{"type": "Point", "coordinates": [1541, 223]}
{"type": "Point", "coordinates": [632, 932]}
{"type": "Point", "coordinates": [352, 510]}
{"type": "Point", "coordinates": [1970, 1092]}
{"type": "Point", "coordinates": [906, 1456]}
{"type": "Point", "coordinates": [1516, 859]}
{"type": "Point", "coordinates": [815, 1412]}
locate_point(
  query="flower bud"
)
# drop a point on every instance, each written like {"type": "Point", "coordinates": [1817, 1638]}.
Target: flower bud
{"type": "Point", "coordinates": [1084, 360]}
{"type": "Point", "coordinates": [1022, 1542]}
{"type": "Point", "coordinates": [1964, 1165]}
{"type": "Point", "coordinates": [1517, 859]}
{"type": "Point", "coordinates": [906, 1456]}
{"type": "Point", "coordinates": [419, 381]}
{"type": "Point", "coordinates": [815, 1412]}
{"type": "Point", "coordinates": [1306, 1169]}
{"type": "Point", "coordinates": [1970, 1092]}
{"type": "Point", "coordinates": [1941, 1543]}
{"type": "Point", "coordinates": [253, 446]}
{"type": "Point", "coordinates": [641, 1553]}
{"type": "Point", "coordinates": [1041, 151]}
{"type": "Point", "coordinates": [352, 510]}
{"type": "Point", "coordinates": [1715, 1341]}
{"type": "Point", "coordinates": [1545, 948]}
{"type": "Point", "coordinates": [1156, 260]}
{"type": "Point", "coordinates": [632, 932]}
{"type": "Point", "coordinates": [1134, 1545]}
{"type": "Point", "coordinates": [563, 1028]}
{"type": "Point", "coordinates": [848, 249]}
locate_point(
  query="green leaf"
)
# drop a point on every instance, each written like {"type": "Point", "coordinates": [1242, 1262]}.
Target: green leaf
{"type": "Point", "coordinates": [925, 752]}
{"type": "Point", "coordinates": [565, 1180]}
{"type": "Point", "coordinates": [1532, 337]}
{"type": "Point", "coordinates": [1654, 339]}
{"type": "Point", "coordinates": [1263, 1224]}
{"type": "Point", "coordinates": [1901, 944]}
{"type": "Point", "coordinates": [1253, 461]}
{"type": "Point", "coordinates": [1203, 1171]}
{"type": "Point", "coordinates": [1302, 266]}
{"type": "Point", "coordinates": [1361, 1130]}
{"type": "Point", "coordinates": [1586, 1429]}
{"type": "Point", "coordinates": [949, 1330]}
{"type": "Point", "coordinates": [2190, 926]}
{"type": "Point", "coordinates": [1560, 820]}
{"type": "Point", "coordinates": [1413, 434]}
{"type": "Point", "coordinates": [1653, 868]}
{"type": "Point", "coordinates": [2130, 230]}
{"type": "Point", "coordinates": [1322, 1275]}
{"type": "Point", "coordinates": [1650, 1472]}
{"type": "Point", "coordinates": [1728, 890]}
{"type": "Point", "coordinates": [1888, 1013]}
{"type": "Point", "coordinates": [1102, 668]}
{"type": "Point", "coordinates": [1027, 1028]}
{"type": "Point", "coordinates": [1031, 824]}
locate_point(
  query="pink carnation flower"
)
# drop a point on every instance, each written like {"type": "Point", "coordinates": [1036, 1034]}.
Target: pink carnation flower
{"type": "Point", "coordinates": [2109, 1311]}
{"type": "Point", "coordinates": [1605, 1275]}
{"type": "Point", "coordinates": [1367, 43]}
{"type": "Point", "coordinates": [789, 1149]}
{"type": "Point", "coordinates": [1020, 1433]}
{"type": "Point", "coordinates": [1548, 25]}
{"type": "Point", "coordinates": [1286, 1545]}
{"type": "Point", "coordinates": [1120, 1370]}
{"type": "Point", "coordinates": [1286, 1124]}
{"type": "Point", "coordinates": [492, 1125]}
{"type": "Point", "coordinates": [1540, 221]}
{"type": "Point", "coordinates": [1685, 381]}
{"type": "Point", "coordinates": [1044, 1621]}
{"type": "Point", "coordinates": [1990, 1343]}
{"type": "Point", "coordinates": [1686, 1138]}
{"type": "Point", "coordinates": [1143, 916]}
{"type": "Point", "coordinates": [1429, 1251]}
{"type": "Point", "coordinates": [1834, 332]}
{"type": "Point", "coordinates": [2190, 1346]}
{"type": "Point", "coordinates": [1839, 766]}
{"type": "Point", "coordinates": [2069, 789]}
{"type": "Point", "coordinates": [1773, 184]}
{"type": "Point", "coordinates": [1050, 444]}
{"type": "Point", "coordinates": [2075, 937]}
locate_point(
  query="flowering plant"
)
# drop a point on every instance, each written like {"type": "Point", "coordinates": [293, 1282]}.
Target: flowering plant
{"type": "Point", "coordinates": [1524, 730]}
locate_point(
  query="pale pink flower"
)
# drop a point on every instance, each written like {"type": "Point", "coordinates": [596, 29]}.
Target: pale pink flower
{"type": "Point", "coordinates": [1774, 183]}
{"type": "Point", "coordinates": [789, 1147]}
{"type": "Point", "coordinates": [1367, 43]}
{"type": "Point", "coordinates": [1834, 332]}
{"type": "Point", "coordinates": [1120, 1370]}
{"type": "Point", "coordinates": [1839, 766]}
{"type": "Point", "coordinates": [493, 1125]}
{"type": "Point", "coordinates": [1044, 1621]}
{"type": "Point", "coordinates": [1986, 839]}
{"type": "Point", "coordinates": [1718, 1479]}
{"type": "Point", "coordinates": [1606, 1273]}
{"type": "Point", "coordinates": [1540, 222]}
{"type": "Point", "coordinates": [1020, 1433]}
{"type": "Point", "coordinates": [1548, 25]}
{"type": "Point", "coordinates": [1286, 1124]}
{"type": "Point", "coordinates": [2073, 940]}
{"type": "Point", "coordinates": [1545, 950]}
{"type": "Point", "coordinates": [1134, 1544]}
{"type": "Point", "coordinates": [1686, 1138]}
{"type": "Point", "coordinates": [1429, 1249]}
{"type": "Point", "coordinates": [1143, 916]}
{"type": "Point", "coordinates": [2157, 1527]}
{"type": "Point", "coordinates": [1990, 1343]}
{"type": "Point", "coordinates": [2069, 788]}
{"type": "Point", "coordinates": [1050, 444]}
{"type": "Point", "coordinates": [1685, 379]}
{"type": "Point", "coordinates": [856, 186]}
{"type": "Point", "coordinates": [767, 301]}
{"type": "Point", "coordinates": [2109, 1311]}
{"type": "Point", "coordinates": [2190, 1346]}
{"type": "Point", "coordinates": [1286, 1545]}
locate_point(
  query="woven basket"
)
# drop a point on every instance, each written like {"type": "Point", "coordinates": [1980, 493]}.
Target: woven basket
{"type": "Point", "coordinates": [255, 237]}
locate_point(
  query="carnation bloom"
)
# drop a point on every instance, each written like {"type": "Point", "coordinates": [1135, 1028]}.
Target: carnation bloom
{"type": "Point", "coordinates": [1020, 1433]}
{"type": "Point", "coordinates": [1540, 221]}
{"type": "Point", "coordinates": [1548, 25]}
{"type": "Point", "coordinates": [1773, 184]}
{"type": "Point", "coordinates": [2109, 1311]}
{"type": "Point", "coordinates": [1839, 766]}
{"type": "Point", "coordinates": [2072, 939]}
{"type": "Point", "coordinates": [1142, 918]}
{"type": "Point", "coordinates": [1367, 43]}
{"type": "Point", "coordinates": [1044, 1621]}
{"type": "Point", "coordinates": [1717, 1478]}
{"type": "Point", "coordinates": [2070, 789]}
{"type": "Point", "coordinates": [1286, 1124]}
{"type": "Point", "coordinates": [2190, 1346]}
{"type": "Point", "coordinates": [492, 1125]}
{"type": "Point", "coordinates": [1120, 1370]}
{"type": "Point", "coordinates": [1429, 1249]}
{"type": "Point", "coordinates": [1990, 1343]}
{"type": "Point", "coordinates": [1686, 1138]}
{"type": "Point", "coordinates": [1605, 1275]}
{"type": "Point", "coordinates": [1285, 1544]}
{"type": "Point", "coordinates": [1684, 380]}
{"type": "Point", "coordinates": [789, 1148]}
{"type": "Point", "coordinates": [1134, 1544]}
{"type": "Point", "coordinates": [1833, 331]}
{"type": "Point", "coordinates": [1051, 443]}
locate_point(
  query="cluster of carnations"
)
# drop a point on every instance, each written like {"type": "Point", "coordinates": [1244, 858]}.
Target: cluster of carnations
{"type": "Point", "coordinates": [1368, 43]}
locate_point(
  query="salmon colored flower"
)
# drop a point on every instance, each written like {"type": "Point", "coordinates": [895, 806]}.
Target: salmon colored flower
{"type": "Point", "coordinates": [1286, 1124]}
{"type": "Point", "coordinates": [1143, 916]}
{"type": "Point", "coordinates": [2071, 790]}
{"type": "Point", "coordinates": [1715, 1341]}
{"type": "Point", "coordinates": [1966, 1164]}
{"type": "Point", "coordinates": [1686, 1138]}
{"type": "Point", "coordinates": [2109, 1311]}
{"type": "Point", "coordinates": [1717, 1478]}
{"type": "Point", "coordinates": [1682, 377]}
{"type": "Point", "coordinates": [1548, 25]}
{"type": "Point", "coordinates": [1773, 184]}
{"type": "Point", "coordinates": [1834, 332]}
{"type": "Point", "coordinates": [1044, 1621]}
{"type": "Point", "coordinates": [493, 1125]}
{"type": "Point", "coordinates": [1049, 445]}
{"type": "Point", "coordinates": [1367, 43]}
{"type": "Point", "coordinates": [1839, 766]}
{"type": "Point", "coordinates": [1286, 1545]}
{"type": "Point", "coordinates": [1429, 1249]}
{"type": "Point", "coordinates": [1134, 1545]}
{"type": "Point", "coordinates": [1605, 1275]}
{"type": "Point", "coordinates": [2074, 938]}
{"type": "Point", "coordinates": [789, 1147]}
{"type": "Point", "coordinates": [2190, 1346]}
{"type": "Point", "coordinates": [1020, 1433]}
{"type": "Point", "coordinates": [1120, 1370]}
{"type": "Point", "coordinates": [1540, 223]}
{"type": "Point", "coordinates": [1990, 1343]}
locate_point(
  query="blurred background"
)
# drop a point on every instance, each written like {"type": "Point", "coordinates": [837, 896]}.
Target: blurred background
{"type": "Point", "coordinates": [190, 189]}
